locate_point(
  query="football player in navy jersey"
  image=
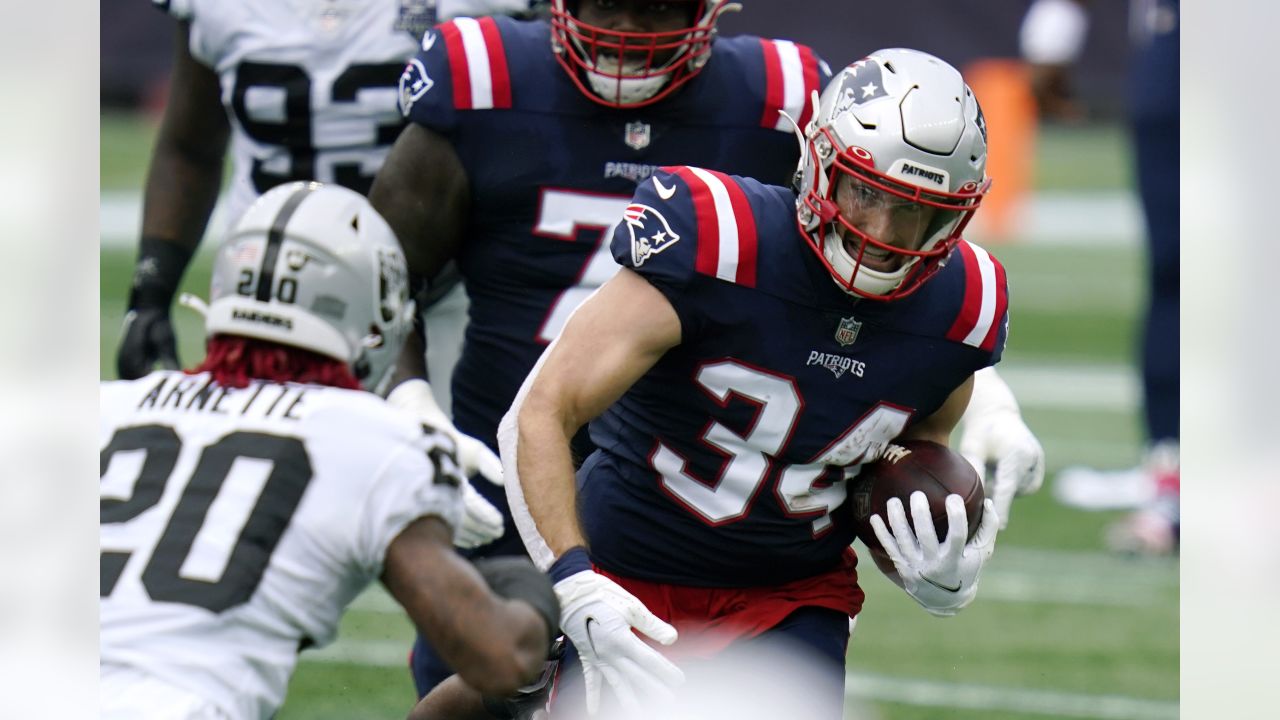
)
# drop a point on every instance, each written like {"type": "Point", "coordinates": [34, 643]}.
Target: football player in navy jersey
{"type": "Point", "coordinates": [757, 347]}
{"type": "Point", "coordinates": [525, 143]}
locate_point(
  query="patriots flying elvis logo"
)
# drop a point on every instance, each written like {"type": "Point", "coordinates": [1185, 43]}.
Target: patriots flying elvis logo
{"type": "Point", "coordinates": [414, 83]}
{"type": "Point", "coordinates": [861, 85]}
{"type": "Point", "coordinates": [650, 232]}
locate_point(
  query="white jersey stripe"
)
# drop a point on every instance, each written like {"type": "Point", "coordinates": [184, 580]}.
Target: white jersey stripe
{"type": "Point", "coordinates": [987, 311]}
{"type": "Point", "coordinates": [792, 83]}
{"type": "Point", "coordinates": [477, 63]}
{"type": "Point", "coordinates": [726, 223]}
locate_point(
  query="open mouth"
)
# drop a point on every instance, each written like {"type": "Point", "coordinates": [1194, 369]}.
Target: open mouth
{"type": "Point", "coordinates": [873, 257]}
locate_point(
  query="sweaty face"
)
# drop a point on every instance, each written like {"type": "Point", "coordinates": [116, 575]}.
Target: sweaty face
{"type": "Point", "coordinates": [637, 16]}
{"type": "Point", "coordinates": [890, 220]}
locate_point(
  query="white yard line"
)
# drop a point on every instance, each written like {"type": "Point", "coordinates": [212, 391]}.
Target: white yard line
{"type": "Point", "coordinates": [1079, 387]}
{"type": "Point", "coordinates": [929, 693]}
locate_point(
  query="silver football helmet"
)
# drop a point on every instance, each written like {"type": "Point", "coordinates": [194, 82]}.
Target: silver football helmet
{"type": "Point", "coordinates": [891, 170]}
{"type": "Point", "coordinates": [315, 267]}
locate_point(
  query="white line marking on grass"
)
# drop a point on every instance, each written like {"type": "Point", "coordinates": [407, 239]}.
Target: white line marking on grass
{"type": "Point", "coordinates": [1085, 387]}
{"type": "Point", "coordinates": [373, 653]}
{"type": "Point", "coordinates": [928, 693]}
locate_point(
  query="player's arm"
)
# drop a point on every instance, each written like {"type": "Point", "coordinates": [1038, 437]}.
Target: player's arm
{"type": "Point", "coordinates": [181, 189]}
{"type": "Point", "coordinates": [492, 622]}
{"type": "Point", "coordinates": [610, 341]}
{"type": "Point", "coordinates": [452, 699]}
{"type": "Point", "coordinates": [422, 192]}
{"type": "Point", "coordinates": [938, 426]}
{"type": "Point", "coordinates": [940, 574]}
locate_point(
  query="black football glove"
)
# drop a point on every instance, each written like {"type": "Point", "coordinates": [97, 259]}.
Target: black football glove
{"type": "Point", "coordinates": [147, 338]}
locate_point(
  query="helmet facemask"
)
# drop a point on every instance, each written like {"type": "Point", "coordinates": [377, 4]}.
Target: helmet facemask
{"type": "Point", "coordinates": [633, 69]}
{"type": "Point", "coordinates": [886, 187]}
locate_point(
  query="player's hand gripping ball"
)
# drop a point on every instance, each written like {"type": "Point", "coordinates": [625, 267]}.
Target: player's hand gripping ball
{"type": "Point", "coordinates": [906, 467]}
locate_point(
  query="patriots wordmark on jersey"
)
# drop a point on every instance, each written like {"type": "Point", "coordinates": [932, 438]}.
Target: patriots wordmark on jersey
{"type": "Point", "coordinates": [237, 524]}
{"type": "Point", "coordinates": [540, 221]}
{"type": "Point", "coordinates": [723, 465]}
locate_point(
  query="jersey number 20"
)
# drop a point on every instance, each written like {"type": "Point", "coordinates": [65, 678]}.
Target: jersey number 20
{"type": "Point", "coordinates": [214, 565]}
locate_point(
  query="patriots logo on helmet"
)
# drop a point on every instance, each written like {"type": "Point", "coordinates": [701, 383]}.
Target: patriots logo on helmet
{"type": "Point", "coordinates": [861, 83]}
{"type": "Point", "coordinates": [414, 83]}
{"type": "Point", "coordinates": [650, 232]}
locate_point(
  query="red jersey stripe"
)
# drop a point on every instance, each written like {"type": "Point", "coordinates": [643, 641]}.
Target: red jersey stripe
{"type": "Point", "coordinates": [746, 221]}
{"type": "Point", "coordinates": [459, 71]}
{"type": "Point", "coordinates": [1002, 306]}
{"type": "Point", "coordinates": [810, 62]}
{"type": "Point", "coordinates": [500, 77]}
{"type": "Point", "coordinates": [773, 96]}
{"type": "Point", "coordinates": [704, 211]}
{"type": "Point", "coordinates": [968, 317]}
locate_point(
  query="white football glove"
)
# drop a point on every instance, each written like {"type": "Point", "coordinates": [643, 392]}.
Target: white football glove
{"type": "Point", "coordinates": [942, 577]}
{"type": "Point", "coordinates": [481, 521]}
{"type": "Point", "coordinates": [994, 432]}
{"type": "Point", "coordinates": [598, 616]}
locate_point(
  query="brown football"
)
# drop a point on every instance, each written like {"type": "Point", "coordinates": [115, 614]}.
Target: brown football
{"type": "Point", "coordinates": [908, 466]}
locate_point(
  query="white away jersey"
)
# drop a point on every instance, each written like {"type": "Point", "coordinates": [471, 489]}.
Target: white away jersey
{"type": "Point", "coordinates": [310, 87]}
{"type": "Point", "coordinates": [237, 524]}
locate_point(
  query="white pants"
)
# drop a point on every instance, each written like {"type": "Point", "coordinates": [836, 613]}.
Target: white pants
{"type": "Point", "coordinates": [127, 694]}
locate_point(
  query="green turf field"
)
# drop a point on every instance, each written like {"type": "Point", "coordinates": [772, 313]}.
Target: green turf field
{"type": "Point", "coordinates": [1060, 628]}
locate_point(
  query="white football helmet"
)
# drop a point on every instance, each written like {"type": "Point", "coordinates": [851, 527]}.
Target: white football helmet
{"type": "Point", "coordinates": [627, 69]}
{"type": "Point", "coordinates": [900, 134]}
{"type": "Point", "coordinates": [315, 267]}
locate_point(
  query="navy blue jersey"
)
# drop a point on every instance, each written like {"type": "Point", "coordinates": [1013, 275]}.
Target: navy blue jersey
{"type": "Point", "coordinates": [735, 448]}
{"type": "Point", "coordinates": [551, 172]}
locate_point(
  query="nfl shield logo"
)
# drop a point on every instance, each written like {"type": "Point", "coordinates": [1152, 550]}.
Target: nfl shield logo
{"type": "Point", "coordinates": [848, 331]}
{"type": "Point", "coordinates": [637, 135]}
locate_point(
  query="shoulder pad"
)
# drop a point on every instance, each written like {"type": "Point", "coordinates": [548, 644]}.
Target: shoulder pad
{"type": "Point", "coordinates": [707, 212]}
{"type": "Point", "coordinates": [982, 321]}
{"type": "Point", "coordinates": [462, 65]}
{"type": "Point", "coordinates": [792, 73]}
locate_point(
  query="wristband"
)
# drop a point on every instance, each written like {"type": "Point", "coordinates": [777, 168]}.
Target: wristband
{"type": "Point", "coordinates": [572, 562]}
{"type": "Point", "coordinates": [158, 273]}
{"type": "Point", "coordinates": [516, 578]}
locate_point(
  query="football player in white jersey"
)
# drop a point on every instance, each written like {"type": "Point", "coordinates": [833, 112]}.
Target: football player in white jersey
{"type": "Point", "coordinates": [246, 502]}
{"type": "Point", "coordinates": [299, 90]}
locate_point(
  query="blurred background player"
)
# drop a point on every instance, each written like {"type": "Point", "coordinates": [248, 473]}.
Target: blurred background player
{"type": "Point", "coordinates": [1053, 35]}
{"type": "Point", "coordinates": [617, 89]}
{"type": "Point", "coordinates": [247, 502]}
{"type": "Point", "coordinates": [735, 381]}
{"type": "Point", "coordinates": [300, 91]}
